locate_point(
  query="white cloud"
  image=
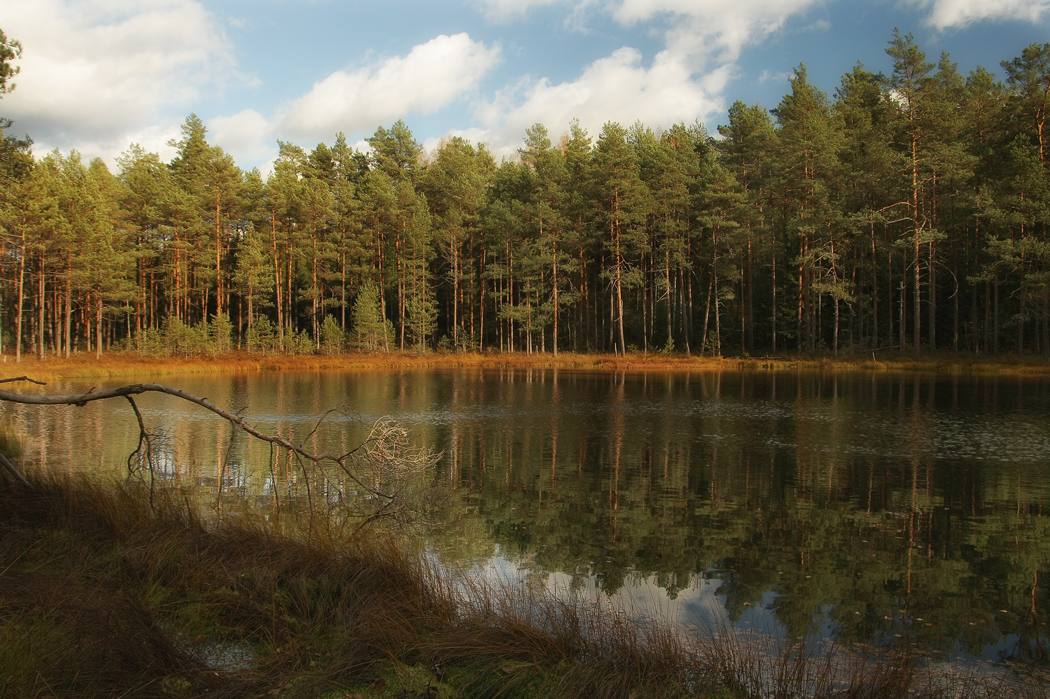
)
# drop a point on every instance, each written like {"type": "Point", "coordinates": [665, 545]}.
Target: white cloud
{"type": "Point", "coordinates": [430, 77]}
{"type": "Point", "coordinates": [247, 135]}
{"type": "Point", "coordinates": [96, 73]}
{"type": "Point", "coordinates": [950, 14]}
{"type": "Point", "coordinates": [702, 30]}
{"type": "Point", "coordinates": [615, 88]}
{"type": "Point", "coordinates": [774, 76]}
{"type": "Point", "coordinates": [698, 29]}
{"type": "Point", "coordinates": [686, 81]}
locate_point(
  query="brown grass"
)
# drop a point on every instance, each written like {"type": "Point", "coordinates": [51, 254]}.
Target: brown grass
{"type": "Point", "coordinates": [104, 594]}
{"type": "Point", "coordinates": [130, 364]}
{"type": "Point", "coordinates": [157, 584]}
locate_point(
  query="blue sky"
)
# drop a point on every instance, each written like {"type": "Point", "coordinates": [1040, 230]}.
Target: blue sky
{"type": "Point", "coordinates": [98, 75]}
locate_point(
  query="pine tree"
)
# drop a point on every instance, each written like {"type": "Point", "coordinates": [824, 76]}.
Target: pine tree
{"type": "Point", "coordinates": [748, 150]}
{"type": "Point", "coordinates": [620, 204]}
{"type": "Point", "coordinates": [370, 328]}
{"type": "Point", "coordinates": [1028, 77]}
{"type": "Point", "coordinates": [868, 164]}
{"type": "Point", "coordinates": [547, 209]}
{"type": "Point", "coordinates": [912, 87]}
{"type": "Point", "coordinates": [454, 184]}
{"type": "Point", "coordinates": [810, 139]}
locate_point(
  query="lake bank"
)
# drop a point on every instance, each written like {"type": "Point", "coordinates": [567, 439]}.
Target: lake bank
{"type": "Point", "coordinates": [129, 364]}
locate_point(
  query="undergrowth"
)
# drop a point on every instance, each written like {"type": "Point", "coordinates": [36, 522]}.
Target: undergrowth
{"type": "Point", "coordinates": [109, 590]}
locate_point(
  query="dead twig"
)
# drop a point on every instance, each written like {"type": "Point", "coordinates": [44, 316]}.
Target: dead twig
{"type": "Point", "coordinates": [24, 378]}
{"type": "Point", "coordinates": [380, 466]}
{"type": "Point", "coordinates": [140, 388]}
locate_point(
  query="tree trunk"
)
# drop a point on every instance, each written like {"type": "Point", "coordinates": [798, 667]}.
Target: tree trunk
{"type": "Point", "coordinates": [40, 309]}
{"type": "Point", "coordinates": [714, 293]}
{"type": "Point", "coordinates": [707, 315]}
{"type": "Point", "coordinates": [218, 259]}
{"type": "Point", "coordinates": [277, 281]}
{"type": "Point", "coordinates": [554, 284]}
{"type": "Point", "coordinates": [773, 319]}
{"type": "Point", "coordinates": [98, 326]}
{"type": "Point", "coordinates": [68, 310]}
{"type": "Point", "coordinates": [21, 296]}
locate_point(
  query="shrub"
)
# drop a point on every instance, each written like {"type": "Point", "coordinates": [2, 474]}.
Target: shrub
{"type": "Point", "coordinates": [185, 340]}
{"type": "Point", "coordinates": [332, 336]}
{"type": "Point", "coordinates": [298, 342]}
{"type": "Point", "coordinates": [262, 337]}
{"type": "Point", "coordinates": [372, 332]}
{"type": "Point", "coordinates": [220, 334]}
{"type": "Point", "coordinates": [151, 342]}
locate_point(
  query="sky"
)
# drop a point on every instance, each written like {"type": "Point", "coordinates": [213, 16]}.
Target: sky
{"type": "Point", "coordinates": [99, 75]}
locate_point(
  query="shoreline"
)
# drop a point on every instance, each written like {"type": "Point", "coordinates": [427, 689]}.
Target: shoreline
{"type": "Point", "coordinates": [121, 364]}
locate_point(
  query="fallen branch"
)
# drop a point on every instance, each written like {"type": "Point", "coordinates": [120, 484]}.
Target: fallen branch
{"type": "Point", "coordinates": [386, 443]}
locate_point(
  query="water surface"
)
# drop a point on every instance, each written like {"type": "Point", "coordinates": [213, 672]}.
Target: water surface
{"type": "Point", "coordinates": [857, 506]}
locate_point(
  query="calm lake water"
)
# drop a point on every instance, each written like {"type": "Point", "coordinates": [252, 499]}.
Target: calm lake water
{"type": "Point", "coordinates": [855, 506]}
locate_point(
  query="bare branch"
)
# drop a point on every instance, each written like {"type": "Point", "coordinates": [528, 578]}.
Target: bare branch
{"type": "Point", "coordinates": [144, 437]}
{"type": "Point", "coordinates": [382, 466]}
{"type": "Point", "coordinates": [140, 388]}
{"type": "Point", "coordinates": [24, 378]}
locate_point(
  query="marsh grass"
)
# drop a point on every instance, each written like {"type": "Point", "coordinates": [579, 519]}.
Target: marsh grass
{"type": "Point", "coordinates": [107, 590]}
{"type": "Point", "coordinates": [10, 441]}
{"type": "Point", "coordinates": [130, 364]}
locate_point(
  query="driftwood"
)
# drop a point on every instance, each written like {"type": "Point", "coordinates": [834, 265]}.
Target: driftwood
{"type": "Point", "coordinates": [385, 446]}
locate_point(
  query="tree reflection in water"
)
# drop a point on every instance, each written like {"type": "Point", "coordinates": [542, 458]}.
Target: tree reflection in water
{"type": "Point", "coordinates": [856, 505]}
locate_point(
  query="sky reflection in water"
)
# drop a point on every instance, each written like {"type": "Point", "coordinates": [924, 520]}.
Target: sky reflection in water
{"type": "Point", "coordinates": [860, 506]}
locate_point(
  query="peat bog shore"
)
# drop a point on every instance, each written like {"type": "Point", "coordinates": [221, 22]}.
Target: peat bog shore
{"type": "Point", "coordinates": [121, 364]}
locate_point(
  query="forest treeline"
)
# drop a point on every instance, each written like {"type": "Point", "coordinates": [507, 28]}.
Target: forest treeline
{"type": "Point", "coordinates": [909, 211]}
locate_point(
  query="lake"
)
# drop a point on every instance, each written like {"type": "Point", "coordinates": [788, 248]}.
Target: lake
{"type": "Point", "coordinates": [854, 506]}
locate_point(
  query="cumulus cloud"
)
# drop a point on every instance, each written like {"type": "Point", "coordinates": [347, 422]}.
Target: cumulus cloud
{"type": "Point", "coordinates": [703, 30]}
{"type": "Point", "coordinates": [951, 14]}
{"type": "Point", "coordinates": [703, 40]}
{"type": "Point", "coordinates": [247, 135]}
{"type": "Point", "coordinates": [696, 29]}
{"type": "Point", "coordinates": [96, 73]}
{"type": "Point", "coordinates": [430, 77]}
{"type": "Point", "coordinates": [616, 88]}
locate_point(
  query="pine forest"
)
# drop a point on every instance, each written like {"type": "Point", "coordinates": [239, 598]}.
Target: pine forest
{"type": "Point", "coordinates": [907, 212]}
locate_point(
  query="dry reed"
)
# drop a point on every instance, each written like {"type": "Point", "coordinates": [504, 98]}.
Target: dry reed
{"type": "Point", "coordinates": [105, 591]}
{"type": "Point", "coordinates": [126, 364]}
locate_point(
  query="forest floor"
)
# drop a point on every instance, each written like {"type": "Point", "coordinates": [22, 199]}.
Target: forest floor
{"type": "Point", "coordinates": [121, 590]}
{"type": "Point", "coordinates": [130, 364]}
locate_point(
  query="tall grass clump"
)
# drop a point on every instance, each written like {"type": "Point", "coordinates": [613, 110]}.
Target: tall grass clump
{"type": "Point", "coordinates": [112, 590]}
{"type": "Point", "coordinates": [103, 593]}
